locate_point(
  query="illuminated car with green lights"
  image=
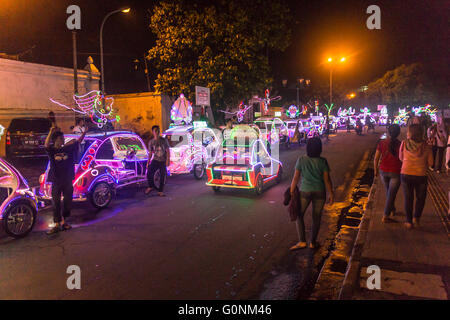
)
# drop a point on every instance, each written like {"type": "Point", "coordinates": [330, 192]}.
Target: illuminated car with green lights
{"type": "Point", "coordinates": [244, 162]}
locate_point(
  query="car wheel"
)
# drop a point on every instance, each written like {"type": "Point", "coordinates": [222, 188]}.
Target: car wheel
{"type": "Point", "coordinates": [216, 189]}
{"type": "Point", "coordinates": [101, 195]}
{"type": "Point", "coordinates": [199, 171]}
{"type": "Point", "coordinates": [259, 185]}
{"type": "Point", "coordinates": [280, 174]}
{"type": "Point", "coordinates": [19, 219]}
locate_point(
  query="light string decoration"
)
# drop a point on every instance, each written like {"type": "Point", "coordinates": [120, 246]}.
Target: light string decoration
{"type": "Point", "coordinates": [240, 113]}
{"type": "Point", "coordinates": [383, 116]}
{"type": "Point", "coordinates": [181, 111]}
{"type": "Point", "coordinates": [91, 105]}
{"type": "Point", "coordinates": [293, 111]}
{"type": "Point", "coordinates": [402, 117]}
{"type": "Point", "coordinates": [266, 101]}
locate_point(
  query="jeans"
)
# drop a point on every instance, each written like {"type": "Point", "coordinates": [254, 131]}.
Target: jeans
{"type": "Point", "coordinates": [440, 154]}
{"type": "Point", "coordinates": [318, 201]}
{"type": "Point", "coordinates": [411, 184]}
{"type": "Point", "coordinates": [153, 168]}
{"type": "Point", "coordinates": [391, 183]}
{"type": "Point", "coordinates": [66, 189]}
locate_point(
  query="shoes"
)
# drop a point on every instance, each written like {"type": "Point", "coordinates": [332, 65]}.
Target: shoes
{"type": "Point", "coordinates": [408, 225]}
{"type": "Point", "coordinates": [431, 168]}
{"type": "Point", "coordinates": [300, 245]}
{"type": "Point", "coordinates": [148, 190]}
{"type": "Point", "coordinates": [388, 220]}
{"type": "Point", "coordinates": [66, 227]}
{"type": "Point", "coordinates": [53, 230]}
{"type": "Point", "coordinates": [438, 171]}
{"type": "Point", "coordinates": [416, 222]}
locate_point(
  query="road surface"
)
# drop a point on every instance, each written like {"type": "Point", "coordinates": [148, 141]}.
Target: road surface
{"type": "Point", "coordinates": [192, 244]}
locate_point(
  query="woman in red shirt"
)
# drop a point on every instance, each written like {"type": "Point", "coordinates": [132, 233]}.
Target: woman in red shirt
{"type": "Point", "coordinates": [389, 168]}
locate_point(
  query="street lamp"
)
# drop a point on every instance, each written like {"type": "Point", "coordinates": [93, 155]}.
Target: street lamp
{"type": "Point", "coordinates": [330, 60]}
{"type": "Point", "coordinates": [124, 10]}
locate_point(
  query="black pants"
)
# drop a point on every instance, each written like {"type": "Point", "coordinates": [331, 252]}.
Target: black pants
{"type": "Point", "coordinates": [411, 184]}
{"type": "Point", "coordinates": [152, 170]}
{"type": "Point", "coordinates": [66, 189]}
{"type": "Point", "coordinates": [440, 156]}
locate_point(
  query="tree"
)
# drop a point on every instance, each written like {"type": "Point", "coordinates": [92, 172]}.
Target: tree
{"type": "Point", "coordinates": [405, 85]}
{"type": "Point", "coordinates": [221, 44]}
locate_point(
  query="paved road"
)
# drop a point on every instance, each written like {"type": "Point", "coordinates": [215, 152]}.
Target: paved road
{"type": "Point", "coordinates": [193, 244]}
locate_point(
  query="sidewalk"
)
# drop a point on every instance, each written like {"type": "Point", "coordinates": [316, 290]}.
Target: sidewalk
{"type": "Point", "coordinates": [415, 264]}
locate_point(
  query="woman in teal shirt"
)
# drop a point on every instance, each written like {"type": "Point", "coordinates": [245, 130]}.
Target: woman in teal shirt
{"type": "Point", "coordinates": [315, 179]}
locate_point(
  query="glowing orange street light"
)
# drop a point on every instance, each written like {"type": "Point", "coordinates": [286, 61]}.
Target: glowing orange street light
{"type": "Point", "coordinates": [330, 59]}
{"type": "Point", "coordinates": [342, 59]}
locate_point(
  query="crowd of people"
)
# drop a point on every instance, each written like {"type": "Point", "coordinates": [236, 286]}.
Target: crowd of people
{"type": "Point", "coordinates": [398, 163]}
{"type": "Point", "coordinates": [405, 163]}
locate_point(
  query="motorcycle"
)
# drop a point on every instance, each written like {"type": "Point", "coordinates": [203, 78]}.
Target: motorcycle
{"type": "Point", "coordinates": [358, 129]}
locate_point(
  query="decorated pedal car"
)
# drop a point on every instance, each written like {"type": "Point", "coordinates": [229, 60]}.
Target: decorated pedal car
{"type": "Point", "coordinates": [106, 162]}
{"type": "Point", "coordinates": [192, 148]}
{"type": "Point", "coordinates": [243, 162]}
{"type": "Point", "coordinates": [18, 205]}
{"type": "Point", "coordinates": [275, 130]}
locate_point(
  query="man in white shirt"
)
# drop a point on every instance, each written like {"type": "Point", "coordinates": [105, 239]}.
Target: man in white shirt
{"type": "Point", "coordinates": [80, 127]}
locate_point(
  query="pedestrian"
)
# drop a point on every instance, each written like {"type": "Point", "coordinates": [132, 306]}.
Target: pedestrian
{"type": "Point", "coordinates": [441, 137]}
{"type": "Point", "coordinates": [61, 174]}
{"type": "Point", "coordinates": [159, 160]}
{"type": "Point", "coordinates": [79, 127]}
{"type": "Point", "coordinates": [313, 171]}
{"type": "Point", "coordinates": [347, 122]}
{"type": "Point", "coordinates": [297, 135]}
{"type": "Point", "coordinates": [327, 128]}
{"type": "Point", "coordinates": [389, 168]}
{"type": "Point", "coordinates": [416, 156]}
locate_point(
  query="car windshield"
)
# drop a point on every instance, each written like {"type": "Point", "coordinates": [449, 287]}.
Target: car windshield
{"type": "Point", "coordinates": [40, 125]}
{"type": "Point", "coordinates": [125, 143]}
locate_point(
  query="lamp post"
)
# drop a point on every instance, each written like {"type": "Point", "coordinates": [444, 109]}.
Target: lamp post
{"type": "Point", "coordinates": [126, 10]}
{"type": "Point", "coordinates": [330, 61]}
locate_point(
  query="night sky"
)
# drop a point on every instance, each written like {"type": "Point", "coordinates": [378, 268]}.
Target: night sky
{"type": "Point", "coordinates": [411, 31]}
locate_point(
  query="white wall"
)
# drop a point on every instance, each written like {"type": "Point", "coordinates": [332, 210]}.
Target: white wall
{"type": "Point", "coordinates": [25, 89]}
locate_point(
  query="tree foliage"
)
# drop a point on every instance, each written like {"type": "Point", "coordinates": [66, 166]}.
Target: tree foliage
{"type": "Point", "coordinates": [220, 44]}
{"type": "Point", "coordinates": [405, 85]}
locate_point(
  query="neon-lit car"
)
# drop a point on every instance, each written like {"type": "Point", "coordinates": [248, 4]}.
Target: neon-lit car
{"type": "Point", "coordinates": [192, 148]}
{"type": "Point", "coordinates": [291, 124]}
{"type": "Point", "coordinates": [243, 162]}
{"type": "Point", "coordinates": [106, 162]}
{"type": "Point", "coordinates": [18, 205]}
{"type": "Point", "coordinates": [275, 130]}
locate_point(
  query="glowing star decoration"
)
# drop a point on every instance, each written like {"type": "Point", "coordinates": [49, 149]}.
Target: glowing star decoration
{"type": "Point", "coordinates": [181, 111]}
{"type": "Point", "coordinates": [365, 111]}
{"type": "Point", "coordinates": [265, 102]}
{"type": "Point", "coordinates": [293, 112]}
{"type": "Point", "coordinates": [240, 113]}
{"type": "Point", "coordinates": [94, 105]}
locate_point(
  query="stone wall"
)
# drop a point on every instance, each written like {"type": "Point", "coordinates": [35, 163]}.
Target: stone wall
{"type": "Point", "coordinates": [140, 111]}
{"type": "Point", "coordinates": [25, 89]}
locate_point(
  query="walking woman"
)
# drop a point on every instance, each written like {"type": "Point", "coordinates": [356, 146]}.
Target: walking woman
{"type": "Point", "coordinates": [389, 168]}
{"type": "Point", "coordinates": [416, 156]}
{"type": "Point", "coordinates": [315, 178]}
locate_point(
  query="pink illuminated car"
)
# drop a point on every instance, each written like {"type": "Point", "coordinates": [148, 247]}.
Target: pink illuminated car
{"type": "Point", "coordinates": [18, 205]}
{"type": "Point", "coordinates": [106, 162]}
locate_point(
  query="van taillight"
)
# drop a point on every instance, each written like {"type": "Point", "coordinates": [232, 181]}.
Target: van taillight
{"type": "Point", "coordinates": [8, 138]}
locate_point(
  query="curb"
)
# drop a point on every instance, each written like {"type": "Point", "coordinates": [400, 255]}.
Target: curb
{"type": "Point", "coordinates": [352, 273]}
{"type": "Point", "coordinates": [335, 263]}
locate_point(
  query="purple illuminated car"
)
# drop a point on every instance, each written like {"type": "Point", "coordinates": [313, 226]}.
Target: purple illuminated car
{"type": "Point", "coordinates": [18, 207]}
{"type": "Point", "coordinates": [105, 162]}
